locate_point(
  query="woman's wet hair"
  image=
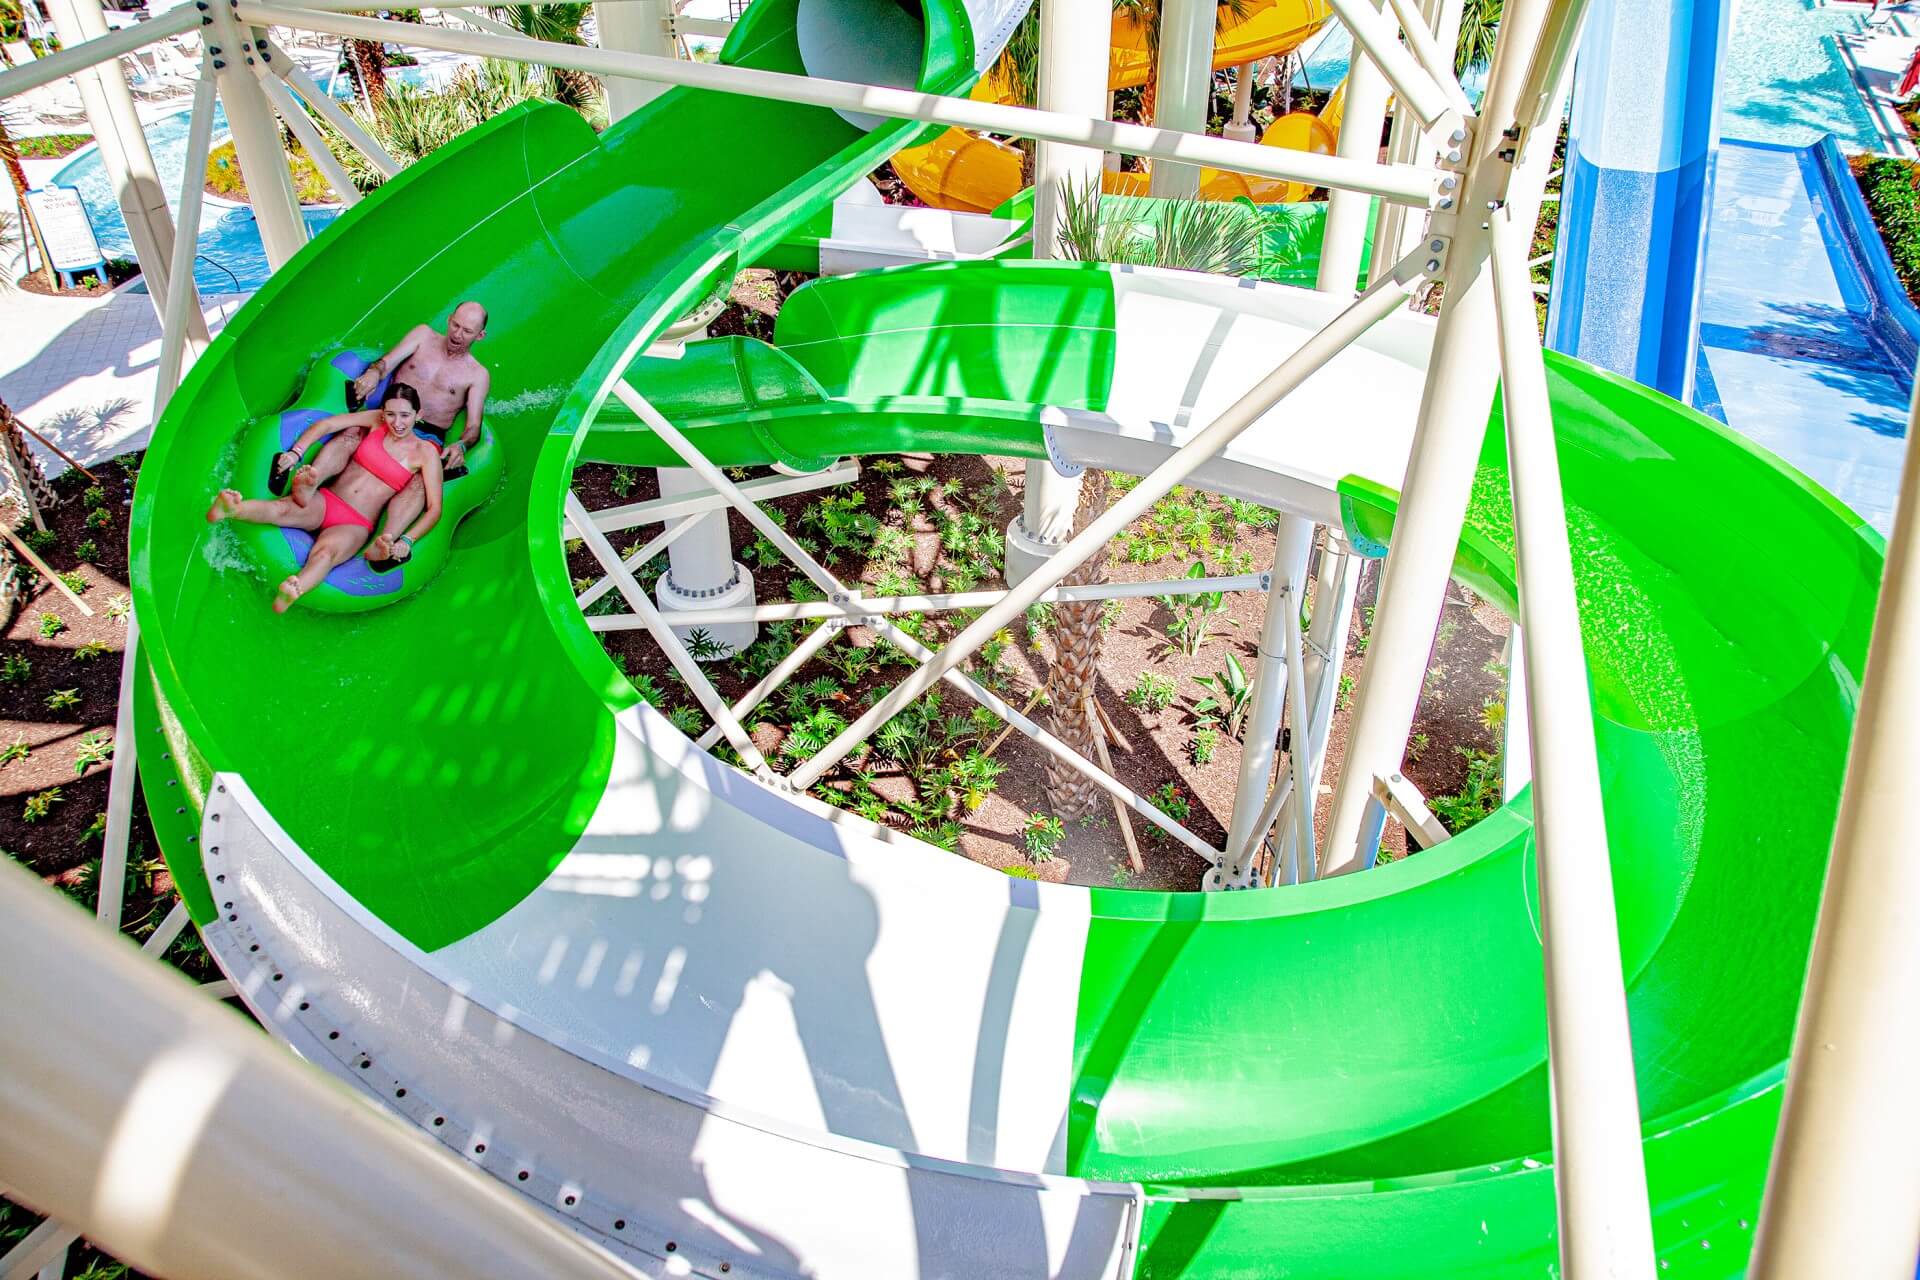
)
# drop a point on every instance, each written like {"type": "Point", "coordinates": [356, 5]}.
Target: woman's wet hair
{"type": "Point", "coordinates": [401, 391]}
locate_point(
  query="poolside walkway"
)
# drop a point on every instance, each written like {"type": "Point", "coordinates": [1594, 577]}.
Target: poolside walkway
{"type": "Point", "coordinates": [81, 371]}
{"type": "Point", "coordinates": [1785, 354]}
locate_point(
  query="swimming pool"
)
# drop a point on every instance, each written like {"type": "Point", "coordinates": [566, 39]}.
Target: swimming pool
{"type": "Point", "coordinates": [231, 257]}
{"type": "Point", "coordinates": [1784, 80]}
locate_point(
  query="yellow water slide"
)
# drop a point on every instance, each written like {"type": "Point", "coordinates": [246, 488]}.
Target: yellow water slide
{"type": "Point", "coordinates": [974, 174]}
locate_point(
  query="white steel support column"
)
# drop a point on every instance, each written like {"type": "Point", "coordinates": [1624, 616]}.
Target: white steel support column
{"type": "Point", "coordinates": [1347, 211]}
{"type": "Point", "coordinates": [1073, 80]}
{"type": "Point", "coordinates": [1395, 229]}
{"type": "Point", "coordinates": [1240, 127]}
{"type": "Point", "coordinates": [256, 134]}
{"type": "Point", "coordinates": [702, 573]}
{"type": "Point", "coordinates": [1293, 542]}
{"type": "Point", "coordinates": [1461, 375]}
{"type": "Point", "coordinates": [633, 26]}
{"type": "Point", "coordinates": [1335, 591]}
{"type": "Point", "coordinates": [1185, 86]}
{"type": "Point", "coordinates": [1843, 1195]}
{"type": "Point", "coordinates": [1516, 754]}
{"type": "Point", "coordinates": [128, 162]}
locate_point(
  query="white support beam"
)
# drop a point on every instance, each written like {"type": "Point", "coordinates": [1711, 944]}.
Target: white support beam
{"type": "Point", "coordinates": [1404, 801]}
{"type": "Point", "coordinates": [1293, 543]}
{"type": "Point", "coordinates": [82, 54]}
{"type": "Point", "coordinates": [174, 321]}
{"type": "Point", "coordinates": [303, 127]}
{"type": "Point", "coordinates": [155, 1148]}
{"type": "Point", "coordinates": [1405, 184]}
{"type": "Point", "coordinates": [1365, 114]}
{"type": "Point", "coordinates": [256, 137]}
{"type": "Point", "coordinates": [1843, 1192]}
{"type": "Point", "coordinates": [320, 100]}
{"type": "Point", "coordinates": [126, 758]}
{"type": "Point", "coordinates": [634, 26]}
{"type": "Point", "coordinates": [657, 510]}
{"type": "Point", "coordinates": [1379, 36]}
{"type": "Point", "coordinates": [1185, 86]}
{"type": "Point", "coordinates": [128, 162]}
{"type": "Point", "coordinates": [1605, 1224]}
{"type": "Point", "coordinates": [1311, 355]}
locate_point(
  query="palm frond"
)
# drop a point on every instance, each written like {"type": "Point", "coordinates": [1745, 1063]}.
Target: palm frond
{"type": "Point", "coordinates": [1479, 25]}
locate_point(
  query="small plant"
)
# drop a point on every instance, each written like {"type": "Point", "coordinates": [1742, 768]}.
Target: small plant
{"type": "Point", "coordinates": [95, 748]}
{"type": "Point", "coordinates": [90, 650]}
{"type": "Point", "coordinates": [813, 731]}
{"type": "Point", "coordinates": [1436, 676]}
{"type": "Point", "coordinates": [96, 830]}
{"type": "Point", "coordinates": [649, 689]}
{"type": "Point", "coordinates": [99, 518]}
{"type": "Point", "coordinates": [1151, 692]}
{"type": "Point", "coordinates": [1449, 628]}
{"type": "Point", "coordinates": [1194, 615]}
{"type": "Point", "coordinates": [16, 668]}
{"type": "Point", "coordinates": [1493, 715]}
{"type": "Point", "coordinates": [850, 661]}
{"type": "Point", "coordinates": [1418, 747]}
{"type": "Point", "coordinates": [623, 480]}
{"type": "Point", "coordinates": [1366, 630]}
{"type": "Point", "coordinates": [51, 625]}
{"type": "Point", "coordinates": [94, 496]}
{"type": "Point", "coordinates": [1344, 701]}
{"type": "Point", "coordinates": [15, 750]}
{"type": "Point", "coordinates": [702, 647]}
{"type": "Point", "coordinates": [41, 803]}
{"type": "Point", "coordinates": [87, 550]}
{"type": "Point", "coordinates": [1173, 802]}
{"type": "Point", "coordinates": [686, 720]}
{"type": "Point", "coordinates": [63, 699]}
{"type": "Point", "coordinates": [1477, 797]}
{"type": "Point", "coordinates": [1043, 835]}
{"type": "Point", "coordinates": [75, 582]}
{"type": "Point", "coordinates": [119, 608]}
{"type": "Point", "coordinates": [1206, 740]}
{"type": "Point", "coordinates": [41, 540]}
{"type": "Point", "coordinates": [1021, 871]}
{"type": "Point", "coordinates": [974, 775]}
{"type": "Point", "coordinates": [1230, 696]}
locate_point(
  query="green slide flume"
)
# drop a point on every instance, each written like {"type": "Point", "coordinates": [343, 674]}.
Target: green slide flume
{"type": "Point", "coordinates": [1343, 1079]}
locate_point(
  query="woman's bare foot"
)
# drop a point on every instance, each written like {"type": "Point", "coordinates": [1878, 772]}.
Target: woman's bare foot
{"type": "Point", "coordinates": [224, 506]}
{"type": "Point", "coordinates": [290, 590]}
{"type": "Point", "coordinates": [381, 548]}
{"type": "Point", "coordinates": [304, 483]}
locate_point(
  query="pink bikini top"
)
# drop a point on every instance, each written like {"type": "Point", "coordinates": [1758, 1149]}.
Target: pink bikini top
{"type": "Point", "coordinates": [372, 454]}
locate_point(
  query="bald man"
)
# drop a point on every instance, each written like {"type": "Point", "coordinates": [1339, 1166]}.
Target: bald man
{"type": "Point", "coordinates": [440, 366]}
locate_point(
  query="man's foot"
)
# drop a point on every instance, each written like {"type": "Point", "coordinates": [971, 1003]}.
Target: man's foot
{"type": "Point", "coordinates": [290, 590]}
{"type": "Point", "coordinates": [305, 481]}
{"type": "Point", "coordinates": [379, 554]}
{"type": "Point", "coordinates": [224, 507]}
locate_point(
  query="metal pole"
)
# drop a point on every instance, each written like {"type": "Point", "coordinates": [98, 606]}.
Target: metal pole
{"type": "Point", "coordinates": [816, 640]}
{"type": "Point", "coordinates": [1311, 355]}
{"type": "Point", "coordinates": [127, 160]}
{"type": "Point", "coordinates": [320, 100]}
{"type": "Point", "coordinates": [81, 54]}
{"type": "Point", "coordinates": [1432, 99]}
{"type": "Point", "coordinates": [186, 241]}
{"type": "Point", "coordinates": [702, 573]}
{"type": "Point", "coordinates": [1516, 751]}
{"type": "Point", "coordinates": [1407, 185]}
{"type": "Point", "coordinates": [126, 758]}
{"type": "Point", "coordinates": [256, 137]}
{"type": "Point", "coordinates": [633, 26]}
{"type": "Point", "coordinates": [1185, 86]}
{"type": "Point", "coordinates": [1454, 404]}
{"type": "Point", "coordinates": [160, 1122]}
{"type": "Point", "coordinates": [1360, 124]}
{"type": "Point", "coordinates": [1843, 1193]}
{"type": "Point", "coordinates": [310, 138]}
{"type": "Point", "coordinates": [636, 598]}
{"type": "Point", "coordinates": [1300, 753]}
{"type": "Point", "coordinates": [1073, 81]}
{"type": "Point", "coordinates": [1240, 127]}
{"type": "Point", "coordinates": [867, 606]}
{"type": "Point", "coordinates": [655, 510]}
{"type": "Point", "coordinates": [1600, 1175]}
{"type": "Point", "coordinates": [1293, 542]}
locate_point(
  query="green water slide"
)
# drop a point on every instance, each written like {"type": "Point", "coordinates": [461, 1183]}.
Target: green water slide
{"type": "Point", "coordinates": [1345, 1078]}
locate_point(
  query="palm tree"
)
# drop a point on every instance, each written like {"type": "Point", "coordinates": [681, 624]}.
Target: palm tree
{"type": "Point", "coordinates": [367, 61]}
{"type": "Point", "coordinates": [10, 157]}
{"type": "Point", "coordinates": [13, 26]}
{"type": "Point", "coordinates": [1479, 24]}
{"type": "Point", "coordinates": [559, 23]}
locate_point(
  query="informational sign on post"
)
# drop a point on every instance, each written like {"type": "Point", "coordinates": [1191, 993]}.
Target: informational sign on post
{"type": "Point", "coordinates": [64, 225]}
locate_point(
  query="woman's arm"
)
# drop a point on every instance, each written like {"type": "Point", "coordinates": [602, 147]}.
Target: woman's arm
{"type": "Point", "coordinates": [330, 424]}
{"type": "Point", "coordinates": [429, 458]}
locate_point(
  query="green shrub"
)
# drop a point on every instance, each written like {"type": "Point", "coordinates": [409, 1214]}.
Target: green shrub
{"type": "Point", "coordinates": [51, 625]}
{"type": "Point", "coordinates": [1043, 834]}
{"type": "Point", "coordinates": [1888, 185]}
{"type": "Point", "coordinates": [1151, 692]}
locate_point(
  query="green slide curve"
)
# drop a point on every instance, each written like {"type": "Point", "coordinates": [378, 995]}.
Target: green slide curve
{"type": "Point", "coordinates": [438, 757]}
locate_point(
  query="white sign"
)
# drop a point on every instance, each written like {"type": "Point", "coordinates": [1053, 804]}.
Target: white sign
{"type": "Point", "coordinates": [63, 224]}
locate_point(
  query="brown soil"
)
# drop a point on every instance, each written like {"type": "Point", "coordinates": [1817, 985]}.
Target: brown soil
{"type": "Point", "coordinates": [118, 273]}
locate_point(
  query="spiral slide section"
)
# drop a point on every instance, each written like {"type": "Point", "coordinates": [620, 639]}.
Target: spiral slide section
{"type": "Point", "coordinates": [722, 1029]}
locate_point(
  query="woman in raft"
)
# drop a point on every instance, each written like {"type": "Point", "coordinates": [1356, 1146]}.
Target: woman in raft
{"type": "Point", "coordinates": [342, 518]}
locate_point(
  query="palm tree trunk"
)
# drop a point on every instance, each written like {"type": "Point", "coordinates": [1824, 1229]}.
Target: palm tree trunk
{"type": "Point", "coordinates": [1070, 685]}
{"type": "Point", "coordinates": [17, 174]}
{"type": "Point", "coordinates": [368, 61]}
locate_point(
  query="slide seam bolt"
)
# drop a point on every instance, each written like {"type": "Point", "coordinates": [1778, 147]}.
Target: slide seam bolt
{"type": "Point", "coordinates": [1437, 245]}
{"type": "Point", "coordinates": [1458, 136]}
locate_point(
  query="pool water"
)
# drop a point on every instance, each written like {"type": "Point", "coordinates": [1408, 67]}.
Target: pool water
{"type": "Point", "coordinates": [230, 258]}
{"type": "Point", "coordinates": [1784, 81]}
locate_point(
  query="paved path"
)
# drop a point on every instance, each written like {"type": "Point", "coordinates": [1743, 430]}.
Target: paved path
{"type": "Point", "coordinates": [80, 371]}
{"type": "Point", "coordinates": [1785, 354]}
